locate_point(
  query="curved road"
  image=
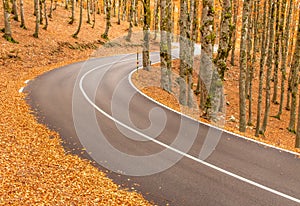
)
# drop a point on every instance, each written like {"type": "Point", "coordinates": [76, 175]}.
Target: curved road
{"type": "Point", "coordinates": [230, 170]}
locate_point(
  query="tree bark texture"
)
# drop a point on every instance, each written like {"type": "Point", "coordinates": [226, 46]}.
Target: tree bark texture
{"type": "Point", "coordinates": [146, 30]}
{"type": "Point", "coordinates": [243, 66]}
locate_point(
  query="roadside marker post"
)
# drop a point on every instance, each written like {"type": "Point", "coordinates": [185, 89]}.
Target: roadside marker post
{"type": "Point", "coordinates": [137, 61]}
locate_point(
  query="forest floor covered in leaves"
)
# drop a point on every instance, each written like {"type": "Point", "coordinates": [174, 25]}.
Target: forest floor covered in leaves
{"type": "Point", "coordinates": [276, 134]}
{"type": "Point", "coordinates": [35, 169]}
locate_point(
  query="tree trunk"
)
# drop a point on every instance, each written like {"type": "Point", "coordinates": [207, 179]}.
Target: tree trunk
{"type": "Point", "coordinates": [108, 24]}
{"type": "Point", "coordinates": [7, 31]}
{"type": "Point", "coordinates": [195, 25]}
{"type": "Point", "coordinates": [169, 40]}
{"type": "Point", "coordinates": [276, 55]}
{"type": "Point", "coordinates": [284, 30]}
{"type": "Point", "coordinates": [190, 54]}
{"type": "Point", "coordinates": [295, 80]}
{"type": "Point", "coordinates": [114, 8]}
{"type": "Point", "coordinates": [249, 50]}
{"type": "Point", "coordinates": [37, 19]}
{"type": "Point", "coordinates": [225, 39]}
{"type": "Point", "coordinates": [80, 20]}
{"type": "Point", "coordinates": [88, 12]}
{"type": "Point", "coordinates": [206, 72]}
{"type": "Point", "coordinates": [41, 11]}
{"type": "Point", "coordinates": [51, 9]}
{"type": "Point", "coordinates": [269, 66]}
{"type": "Point", "coordinates": [285, 58]}
{"type": "Point", "coordinates": [297, 142]}
{"type": "Point", "coordinates": [94, 12]}
{"type": "Point", "coordinates": [124, 9]}
{"type": "Point", "coordinates": [135, 14]}
{"type": "Point", "coordinates": [243, 65]}
{"type": "Point", "coordinates": [261, 70]}
{"type": "Point", "coordinates": [146, 30]}
{"type": "Point", "coordinates": [296, 62]}
{"type": "Point", "coordinates": [183, 53]}
{"type": "Point", "coordinates": [164, 83]}
{"type": "Point", "coordinates": [157, 5]}
{"type": "Point", "coordinates": [128, 38]}
{"type": "Point", "coordinates": [235, 17]}
{"type": "Point", "coordinates": [73, 12]}
{"type": "Point", "coordinates": [255, 50]}
{"type": "Point", "coordinates": [66, 4]}
{"type": "Point", "coordinates": [15, 10]}
{"type": "Point", "coordinates": [45, 15]}
{"type": "Point", "coordinates": [119, 12]}
{"type": "Point", "coordinates": [23, 25]}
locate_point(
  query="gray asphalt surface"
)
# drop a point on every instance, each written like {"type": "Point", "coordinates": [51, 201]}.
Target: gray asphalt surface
{"type": "Point", "coordinates": [60, 104]}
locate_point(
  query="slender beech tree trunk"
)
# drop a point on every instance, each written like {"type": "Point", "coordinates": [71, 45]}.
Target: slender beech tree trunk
{"type": "Point", "coordinates": [15, 10]}
{"type": "Point", "coordinates": [164, 47]}
{"type": "Point", "coordinates": [157, 7]}
{"type": "Point", "coordinates": [220, 61]}
{"type": "Point", "coordinates": [284, 36]}
{"type": "Point", "coordinates": [88, 11]}
{"type": "Point", "coordinates": [66, 4]}
{"type": "Point", "coordinates": [94, 13]}
{"type": "Point", "coordinates": [295, 68]}
{"type": "Point", "coordinates": [124, 10]}
{"type": "Point", "coordinates": [23, 25]}
{"type": "Point", "coordinates": [276, 54]}
{"type": "Point", "coordinates": [206, 61]}
{"type": "Point", "coordinates": [249, 46]}
{"type": "Point", "coordinates": [269, 66]}
{"type": "Point", "coordinates": [128, 38]}
{"type": "Point", "coordinates": [146, 30]}
{"type": "Point", "coordinates": [41, 11]}
{"type": "Point", "coordinates": [55, 5]}
{"type": "Point", "coordinates": [296, 62]}
{"type": "Point", "coordinates": [108, 24]}
{"type": "Point", "coordinates": [190, 55]}
{"type": "Point", "coordinates": [37, 19]}
{"type": "Point", "coordinates": [45, 15]}
{"type": "Point", "coordinates": [114, 8]}
{"type": "Point", "coordinates": [80, 20]}
{"type": "Point", "coordinates": [181, 80]}
{"type": "Point", "coordinates": [169, 41]}
{"type": "Point", "coordinates": [7, 30]}
{"type": "Point", "coordinates": [225, 44]}
{"type": "Point", "coordinates": [255, 50]}
{"type": "Point", "coordinates": [243, 65]}
{"type": "Point", "coordinates": [105, 7]}
{"type": "Point", "coordinates": [135, 14]}
{"type": "Point", "coordinates": [51, 9]}
{"type": "Point", "coordinates": [261, 69]}
{"type": "Point", "coordinates": [297, 142]}
{"type": "Point", "coordinates": [73, 12]}
{"type": "Point", "coordinates": [34, 10]}
{"type": "Point", "coordinates": [235, 18]}
{"type": "Point", "coordinates": [119, 12]}
{"type": "Point", "coordinates": [195, 25]}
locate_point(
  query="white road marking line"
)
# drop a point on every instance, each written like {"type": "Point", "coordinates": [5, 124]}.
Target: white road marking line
{"type": "Point", "coordinates": [26, 82]}
{"type": "Point", "coordinates": [21, 90]}
{"type": "Point", "coordinates": [204, 123]}
{"type": "Point", "coordinates": [243, 179]}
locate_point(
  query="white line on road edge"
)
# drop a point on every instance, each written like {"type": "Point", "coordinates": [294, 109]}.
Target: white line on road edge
{"type": "Point", "coordinates": [204, 123]}
{"type": "Point", "coordinates": [243, 179]}
{"type": "Point", "coordinates": [21, 90]}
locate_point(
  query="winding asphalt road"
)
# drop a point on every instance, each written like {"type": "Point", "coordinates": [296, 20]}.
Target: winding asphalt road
{"type": "Point", "coordinates": [170, 158]}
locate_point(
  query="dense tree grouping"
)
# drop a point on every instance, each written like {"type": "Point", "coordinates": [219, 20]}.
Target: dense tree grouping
{"type": "Point", "coordinates": [261, 36]}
